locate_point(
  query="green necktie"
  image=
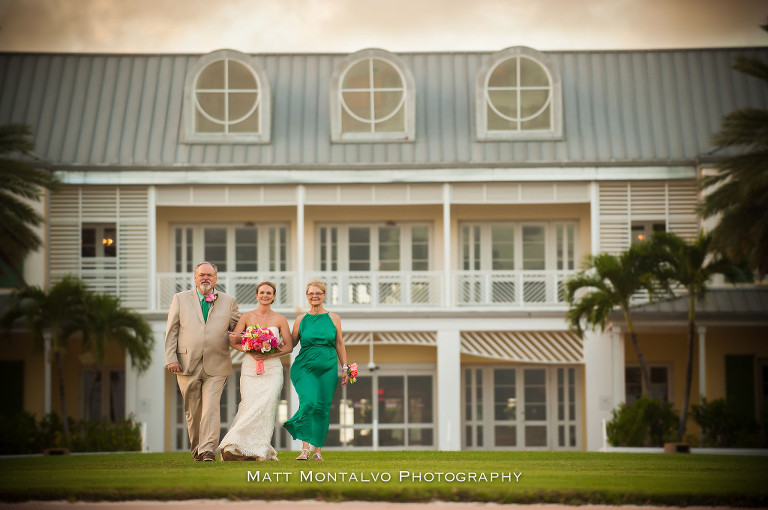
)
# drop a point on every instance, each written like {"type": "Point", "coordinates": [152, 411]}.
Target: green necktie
{"type": "Point", "coordinates": [206, 306]}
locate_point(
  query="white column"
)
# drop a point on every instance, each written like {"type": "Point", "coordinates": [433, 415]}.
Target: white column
{"type": "Point", "coordinates": [47, 372]}
{"type": "Point", "coordinates": [598, 384]}
{"type": "Point", "coordinates": [301, 194]}
{"type": "Point", "coordinates": [702, 362]}
{"type": "Point", "coordinates": [594, 216]}
{"type": "Point", "coordinates": [447, 287]}
{"type": "Point", "coordinates": [145, 393]}
{"type": "Point", "coordinates": [617, 343]}
{"type": "Point", "coordinates": [448, 390]}
{"type": "Point", "coordinates": [152, 240]}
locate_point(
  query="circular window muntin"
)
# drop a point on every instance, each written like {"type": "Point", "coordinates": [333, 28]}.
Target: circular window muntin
{"type": "Point", "coordinates": [226, 91]}
{"type": "Point", "coordinates": [517, 89]}
{"type": "Point", "coordinates": [371, 90]}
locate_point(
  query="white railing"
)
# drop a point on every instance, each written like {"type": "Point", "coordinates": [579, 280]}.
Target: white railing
{"type": "Point", "coordinates": [511, 288]}
{"type": "Point", "coordinates": [382, 289]}
{"type": "Point", "coordinates": [388, 290]}
{"type": "Point", "coordinates": [241, 285]}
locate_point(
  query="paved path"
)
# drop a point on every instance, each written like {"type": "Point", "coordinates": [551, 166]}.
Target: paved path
{"type": "Point", "coordinates": [220, 504]}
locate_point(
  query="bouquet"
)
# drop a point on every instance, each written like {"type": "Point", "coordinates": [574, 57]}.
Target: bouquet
{"type": "Point", "coordinates": [352, 372]}
{"type": "Point", "coordinates": [258, 339]}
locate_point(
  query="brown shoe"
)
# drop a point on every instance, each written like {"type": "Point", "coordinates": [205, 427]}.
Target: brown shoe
{"type": "Point", "coordinates": [228, 456]}
{"type": "Point", "coordinates": [208, 457]}
{"type": "Point", "coordinates": [197, 457]}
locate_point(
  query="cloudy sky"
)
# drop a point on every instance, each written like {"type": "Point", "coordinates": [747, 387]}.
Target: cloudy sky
{"type": "Point", "coordinates": [270, 26]}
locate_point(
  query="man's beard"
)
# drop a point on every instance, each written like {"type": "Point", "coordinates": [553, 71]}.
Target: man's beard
{"type": "Point", "coordinates": [206, 287]}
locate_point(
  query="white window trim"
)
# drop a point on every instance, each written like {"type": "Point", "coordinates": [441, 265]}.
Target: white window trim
{"type": "Point", "coordinates": [550, 242]}
{"type": "Point", "coordinates": [481, 83]}
{"type": "Point", "coordinates": [406, 244]}
{"type": "Point", "coordinates": [265, 104]}
{"type": "Point", "coordinates": [198, 244]}
{"type": "Point", "coordinates": [337, 135]}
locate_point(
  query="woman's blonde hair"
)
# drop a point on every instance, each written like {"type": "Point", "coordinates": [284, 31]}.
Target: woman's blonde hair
{"type": "Point", "coordinates": [268, 284]}
{"type": "Point", "coordinates": [316, 283]}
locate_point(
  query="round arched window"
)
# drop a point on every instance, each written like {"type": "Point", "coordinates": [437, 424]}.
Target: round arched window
{"type": "Point", "coordinates": [518, 96]}
{"type": "Point", "coordinates": [227, 98]}
{"type": "Point", "coordinates": [373, 97]}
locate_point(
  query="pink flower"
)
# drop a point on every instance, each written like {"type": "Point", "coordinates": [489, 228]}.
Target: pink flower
{"type": "Point", "coordinates": [211, 297]}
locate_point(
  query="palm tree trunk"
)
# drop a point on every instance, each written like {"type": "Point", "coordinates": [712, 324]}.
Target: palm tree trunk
{"type": "Point", "coordinates": [644, 371]}
{"type": "Point", "coordinates": [60, 374]}
{"type": "Point", "coordinates": [688, 369]}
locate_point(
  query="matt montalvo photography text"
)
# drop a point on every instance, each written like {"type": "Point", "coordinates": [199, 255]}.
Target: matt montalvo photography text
{"type": "Point", "coordinates": [403, 476]}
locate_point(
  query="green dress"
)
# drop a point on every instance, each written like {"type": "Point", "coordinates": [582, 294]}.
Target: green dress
{"type": "Point", "coordinates": [313, 374]}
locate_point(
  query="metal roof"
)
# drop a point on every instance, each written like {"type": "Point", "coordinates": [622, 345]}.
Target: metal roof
{"type": "Point", "coordinates": [728, 304]}
{"type": "Point", "coordinates": [655, 107]}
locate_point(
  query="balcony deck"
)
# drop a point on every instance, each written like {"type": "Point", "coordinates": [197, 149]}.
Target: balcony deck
{"type": "Point", "coordinates": [390, 290]}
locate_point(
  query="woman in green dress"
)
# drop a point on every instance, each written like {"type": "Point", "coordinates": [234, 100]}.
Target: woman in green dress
{"type": "Point", "coordinates": [313, 373]}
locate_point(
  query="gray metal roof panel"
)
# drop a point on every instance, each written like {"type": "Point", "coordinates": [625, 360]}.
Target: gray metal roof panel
{"type": "Point", "coordinates": [620, 107]}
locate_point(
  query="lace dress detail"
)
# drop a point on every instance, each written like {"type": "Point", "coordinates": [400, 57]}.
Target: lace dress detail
{"type": "Point", "coordinates": [251, 432]}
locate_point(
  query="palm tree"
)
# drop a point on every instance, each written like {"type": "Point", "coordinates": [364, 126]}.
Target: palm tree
{"type": "Point", "coordinates": [607, 282]}
{"type": "Point", "coordinates": [691, 266]}
{"type": "Point", "coordinates": [739, 192]}
{"type": "Point", "coordinates": [60, 312]}
{"type": "Point", "coordinates": [107, 319]}
{"type": "Point", "coordinates": [20, 182]}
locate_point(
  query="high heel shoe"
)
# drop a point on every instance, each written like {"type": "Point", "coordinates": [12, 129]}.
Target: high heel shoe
{"type": "Point", "coordinates": [304, 454]}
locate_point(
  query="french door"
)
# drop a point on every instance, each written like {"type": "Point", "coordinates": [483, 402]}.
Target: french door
{"type": "Point", "coordinates": [521, 408]}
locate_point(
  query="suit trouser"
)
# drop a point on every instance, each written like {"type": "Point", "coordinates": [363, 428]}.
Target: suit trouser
{"type": "Point", "coordinates": [202, 402]}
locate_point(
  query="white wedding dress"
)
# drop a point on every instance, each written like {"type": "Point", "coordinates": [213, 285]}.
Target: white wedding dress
{"type": "Point", "coordinates": [251, 432]}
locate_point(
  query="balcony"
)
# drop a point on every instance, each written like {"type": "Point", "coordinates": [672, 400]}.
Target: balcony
{"type": "Point", "coordinates": [516, 289]}
{"type": "Point", "coordinates": [390, 290]}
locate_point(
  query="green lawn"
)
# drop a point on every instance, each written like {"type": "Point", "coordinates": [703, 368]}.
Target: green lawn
{"type": "Point", "coordinates": [549, 477]}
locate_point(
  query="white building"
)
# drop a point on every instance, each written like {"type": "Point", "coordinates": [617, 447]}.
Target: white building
{"type": "Point", "coordinates": [444, 198]}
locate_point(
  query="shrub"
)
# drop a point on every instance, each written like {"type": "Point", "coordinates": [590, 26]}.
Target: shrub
{"type": "Point", "coordinates": [21, 433]}
{"type": "Point", "coordinates": [645, 422]}
{"type": "Point", "coordinates": [724, 426]}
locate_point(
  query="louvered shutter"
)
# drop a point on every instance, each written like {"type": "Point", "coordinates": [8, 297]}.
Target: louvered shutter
{"type": "Point", "coordinates": [621, 203]}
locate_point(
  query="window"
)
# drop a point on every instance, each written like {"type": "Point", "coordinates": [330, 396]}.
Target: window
{"type": "Point", "coordinates": [520, 407]}
{"type": "Point", "coordinates": [249, 253]}
{"type": "Point", "coordinates": [386, 264]}
{"type": "Point", "coordinates": [98, 240]}
{"type": "Point", "coordinates": [231, 248]}
{"type": "Point", "coordinates": [403, 247]}
{"type": "Point", "coordinates": [518, 96]}
{"type": "Point", "coordinates": [372, 99]}
{"type": "Point", "coordinates": [104, 394]}
{"type": "Point", "coordinates": [227, 100]}
{"type": "Point", "coordinates": [510, 262]}
{"type": "Point", "coordinates": [12, 382]}
{"type": "Point", "coordinates": [387, 410]}
{"type": "Point", "coordinates": [643, 230]}
{"type": "Point", "coordinates": [635, 387]}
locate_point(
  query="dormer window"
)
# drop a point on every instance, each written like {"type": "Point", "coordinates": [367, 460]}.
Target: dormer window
{"type": "Point", "coordinates": [372, 99]}
{"type": "Point", "coordinates": [518, 96]}
{"type": "Point", "coordinates": [227, 100]}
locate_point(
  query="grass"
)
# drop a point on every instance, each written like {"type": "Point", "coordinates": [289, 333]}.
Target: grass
{"type": "Point", "coordinates": [544, 477]}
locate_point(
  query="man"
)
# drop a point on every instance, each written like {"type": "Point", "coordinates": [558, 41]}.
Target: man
{"type": "Point", "coordinates": [197, 351]}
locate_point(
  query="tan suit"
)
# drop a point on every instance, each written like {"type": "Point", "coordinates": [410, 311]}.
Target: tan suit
{"type": "Point", "coordinates": [202, 349]}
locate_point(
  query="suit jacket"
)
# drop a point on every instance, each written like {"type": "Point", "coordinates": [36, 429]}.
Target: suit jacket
{"type": "Point", "coordinates": [190, 340]}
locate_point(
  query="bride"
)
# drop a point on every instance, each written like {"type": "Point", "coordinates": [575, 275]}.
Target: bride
{"type": "Point", "coordinates": [250, 436]}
